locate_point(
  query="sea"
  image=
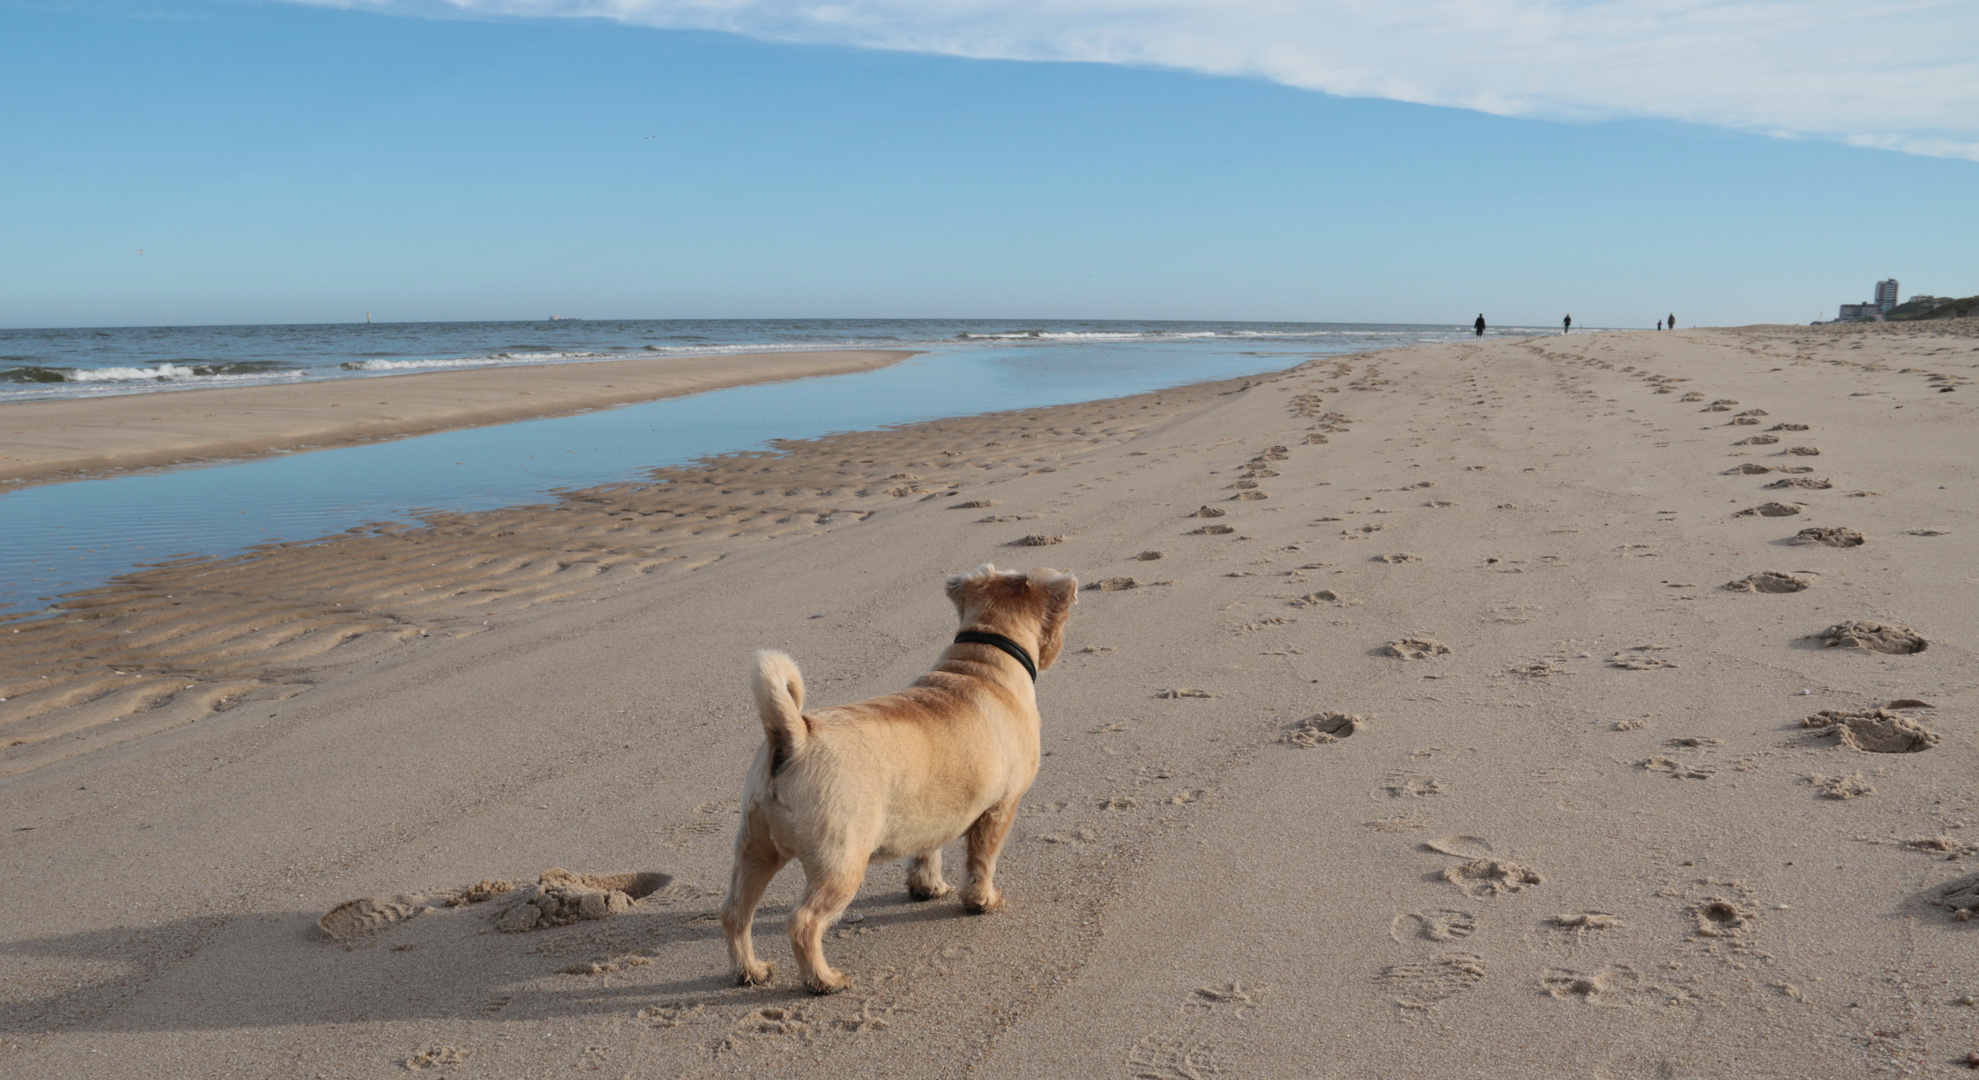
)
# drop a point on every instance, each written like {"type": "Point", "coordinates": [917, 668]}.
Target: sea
{"type": "Point", "coordinates": [57, 539]}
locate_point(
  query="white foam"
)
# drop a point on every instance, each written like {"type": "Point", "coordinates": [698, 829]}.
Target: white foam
{"type": "Point", "coordinates": [130, 374]}
{"type": "Point", "coordinates": [502, 358]}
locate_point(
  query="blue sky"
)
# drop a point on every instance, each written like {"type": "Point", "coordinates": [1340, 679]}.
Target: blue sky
{"type": "Point", "coordinates": [291, 163]}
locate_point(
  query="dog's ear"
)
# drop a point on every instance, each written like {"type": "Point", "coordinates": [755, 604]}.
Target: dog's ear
{"type": "Point", "coordinates": [962, 586]}
{"type": "Point", "coordinates": [1058, 593]}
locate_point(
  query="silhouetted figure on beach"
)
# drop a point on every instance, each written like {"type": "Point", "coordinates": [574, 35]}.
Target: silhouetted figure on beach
{"type": "Point", "coordinates": [1659, 324]}
{"type": "Point", "coordinates": [1671, 322]}
{"type": "Point", "coordinates": [1479, 324]}
{"type": "Point", "coordinates": [1567, 325]}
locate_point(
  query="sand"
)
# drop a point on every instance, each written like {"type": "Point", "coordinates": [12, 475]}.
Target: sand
{"type": "Point", "coordinates": [1628, 818]}
{"type": "Point", "coordinates": [44, 441]}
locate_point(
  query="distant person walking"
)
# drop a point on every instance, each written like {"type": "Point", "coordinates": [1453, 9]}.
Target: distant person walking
{"type": "Point", "coordinates": [1672, 322]}
{"type": "Point", "coordinates": [1479, 324]}
{"type": "Point", "coordinates": [1659, 324]}
{"type": "Point", "coordinates": [1567, 325]}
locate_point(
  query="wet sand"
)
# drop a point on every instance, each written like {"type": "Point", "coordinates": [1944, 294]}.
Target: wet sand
{"type": "Point", "coordinates": [44, 441]}
{"type": "Point", "coordinates": [1612, 807]}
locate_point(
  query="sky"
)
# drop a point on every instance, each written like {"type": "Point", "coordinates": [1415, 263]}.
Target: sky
{"type": "Point", "coordinates": [1332, 160]}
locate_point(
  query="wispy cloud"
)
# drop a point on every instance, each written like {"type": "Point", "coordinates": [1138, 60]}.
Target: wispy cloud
{"type": "Point", "coordinates": [1899, 75]}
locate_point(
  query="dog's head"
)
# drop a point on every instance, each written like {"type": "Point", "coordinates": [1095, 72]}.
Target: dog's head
{"type": "Point", "coordinates": [1025, 607]}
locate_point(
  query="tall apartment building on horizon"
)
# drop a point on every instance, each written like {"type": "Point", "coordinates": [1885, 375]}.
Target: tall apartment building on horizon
{"type": "Point", "coordinates": [1886, 295]}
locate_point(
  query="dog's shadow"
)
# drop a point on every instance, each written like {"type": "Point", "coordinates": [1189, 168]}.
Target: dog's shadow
{"type": "Point", "coordinates": [276, 968]}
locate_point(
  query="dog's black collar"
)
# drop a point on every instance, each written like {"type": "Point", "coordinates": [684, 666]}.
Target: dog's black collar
{"type": "Point", "coordinates": [1016, 651]}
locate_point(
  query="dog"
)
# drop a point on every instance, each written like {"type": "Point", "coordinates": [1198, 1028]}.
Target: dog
{"type": "Point", "coordinates": [898, 776]}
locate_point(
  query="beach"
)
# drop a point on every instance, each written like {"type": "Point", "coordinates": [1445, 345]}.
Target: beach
{"type": "Point", "coordinates": [1584, 705]}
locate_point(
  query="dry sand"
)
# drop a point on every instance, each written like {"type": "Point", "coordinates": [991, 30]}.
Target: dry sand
{"type": "Point", "coordinates": [43, 441]}
{"type": "Point", "coordinates": [1632, 823]}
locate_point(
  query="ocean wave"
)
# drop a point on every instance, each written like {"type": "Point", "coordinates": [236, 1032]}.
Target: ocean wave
{"type": "Point", "coordinates": [163, 372]}
{"type": "Point", "coordinates": [488, 360]}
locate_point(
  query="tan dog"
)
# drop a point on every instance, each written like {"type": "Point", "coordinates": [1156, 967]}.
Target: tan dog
{"type": "Point", "coordinates": [900, 775]}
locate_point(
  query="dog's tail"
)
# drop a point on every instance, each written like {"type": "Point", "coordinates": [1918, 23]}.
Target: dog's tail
{"type": "Point", "coordinates": [779, 688]}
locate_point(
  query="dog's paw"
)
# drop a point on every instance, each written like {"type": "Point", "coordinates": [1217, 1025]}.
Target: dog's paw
{"type": "Point", "coordinates": [760, 975]}
{"type": "Point", "coordinates": [831, 982]}
{"type": "Point", "coordinates": [982, 904]}
{"type": "Point", "coordinates": [928, 892]}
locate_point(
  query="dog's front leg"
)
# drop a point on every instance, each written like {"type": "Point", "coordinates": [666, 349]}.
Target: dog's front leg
{"type": "Point", "coordinates": [829, 889]}
{"type": "Point", "coordinates": [756, 862]}
{"type": "Point", "coordinates": [986, 836]}
{"type": "Point", "coordinates": [924, 880]}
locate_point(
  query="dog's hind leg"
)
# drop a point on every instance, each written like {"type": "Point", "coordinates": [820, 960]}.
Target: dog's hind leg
{"type": "Point", "coordinates": [924, 880]}
{"type": "Point", "coordinates": [829, 888]}
{"type": "Point", "coordinates": [756, 862]}
{"type": "Point", "coordinates": [981, 895]}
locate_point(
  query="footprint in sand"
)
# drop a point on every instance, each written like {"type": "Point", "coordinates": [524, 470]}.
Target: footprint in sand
{"type": "Point", "coordinates": [1832, 537]}
{"type": "Point", "coordinates": [769, 1022]}
{"type": "Point", "coordinates": [1176, 1057]}
{"type": "Point", "coordinates": [1586, 922]}
{"type": "Point", "coordinates": [1609, 985]}
{"type": "Point", "coordinates": [1423, 983]}
{"type": "Point", "coordinates": [436, 1057]}
{"type": "Point", "coordinates": [1875, 637]}
{"type": "Point", "coordinates": [1678, 770]}
{"type": "Point", "coordinates": [1808, 482]}
{"type": "Point", "coordinates": [1768, 581]}
{"type": "Point", "coordinates": [1757, 440]}
{"type": "Point", "coordinates": [671, 1015]}
{"type": "Point", "coordinates": [354, 919]}
{"type": "Point", "coordinates": [1406, 785]}
{"type": "Point", "coordinates": [1483, 878]}
{"type": "Point", "coordinates": [1038, 540]}
{"type": "Point", "coordinates": [1802, 451]}
{"type": "Point", "coordinates": [1441, 924]}
{"type": "Point", "coordinates": [1842, 786]}
{"type": "Point", "coordinates": [1321, 729]}
{"type": "Point", "coordinates": [1771, 509]}
{"type": "Point", "coordinates": [1960, 897]}
{"type": "Point", "coordinates": [1192, 1053]}
{"type": "Point", "coordinates": [1718, 917]}
{"type": "Point", "coordinates": [1637, 658]}
{"type": "Point", "coordinates": [1212, 530]}
{"type": "Point", "coordinates": [1415, 648]}
{"type": "Point", "coordinates": [1225, 999]}
{"type": "Point", "coordinates": [1874, 731]}
{"type": "Point", "coordinates": [1461, 847]}
{"type": "Point", "coordinates": [559, 898]}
